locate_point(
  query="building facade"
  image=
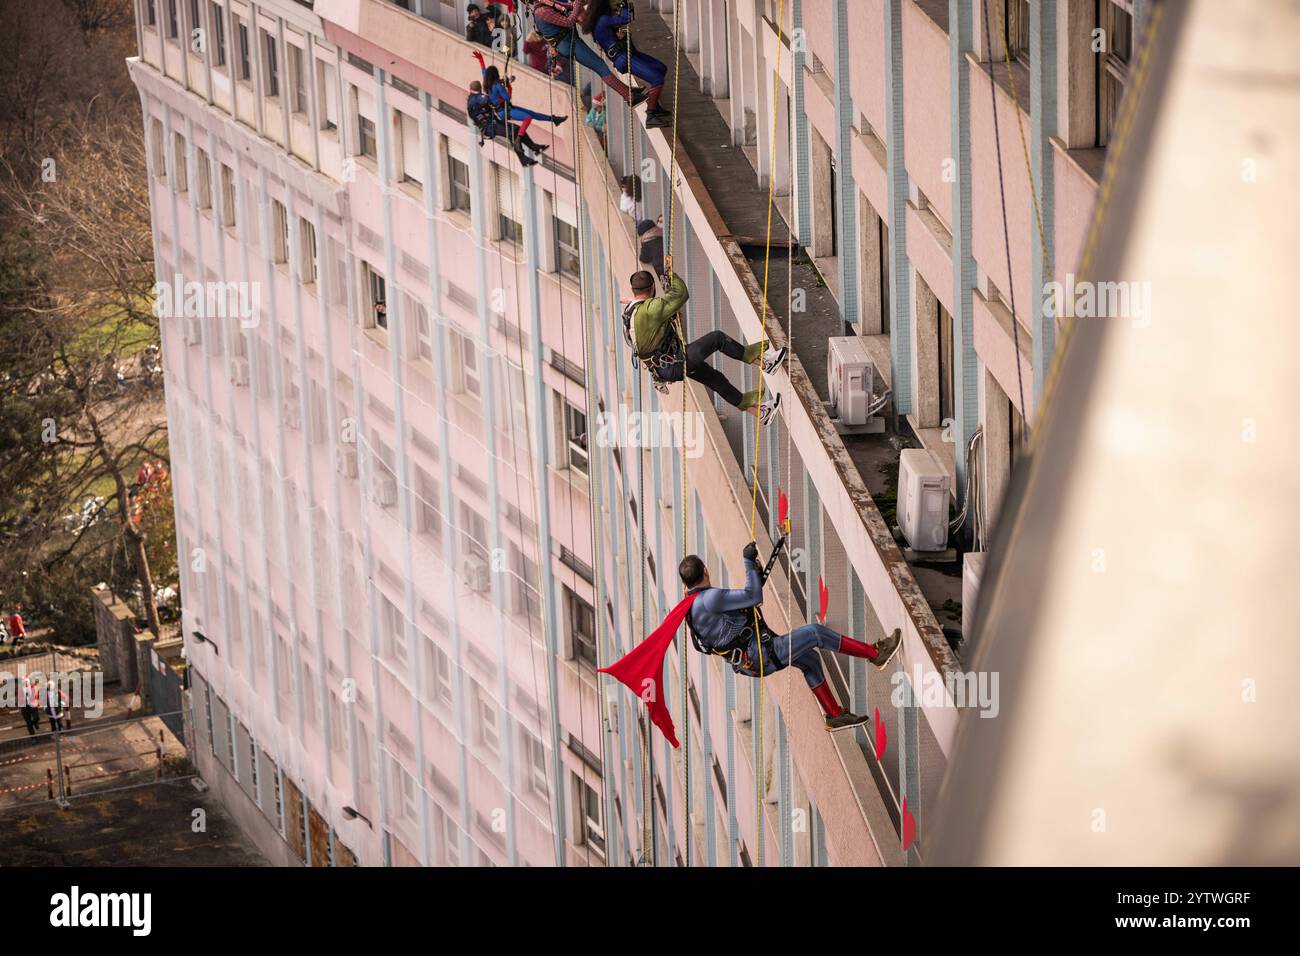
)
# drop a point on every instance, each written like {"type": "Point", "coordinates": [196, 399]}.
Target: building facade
{"type": "Point", "coordinates": [414, 515]}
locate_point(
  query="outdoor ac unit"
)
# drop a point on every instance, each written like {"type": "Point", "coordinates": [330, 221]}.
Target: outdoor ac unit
{"type": "Point", "coordinates": [972, 570]}
{"type": "Point", "coordinates": [384, 490]}
{"type": "Point", "coordinates": [474, 572]}
{"type": "Point", "coordinates": [851, 377]}
{"type": "Point", "coordinates": [923, 490]}
{"type": "Point", "coordinates": [239, 371]}
{"type": "Point", "coordinates": [345, 460]}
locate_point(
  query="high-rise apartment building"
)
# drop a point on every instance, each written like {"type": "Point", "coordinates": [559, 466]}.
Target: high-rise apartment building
{"type": "Point", "coordinates": [414, 496]}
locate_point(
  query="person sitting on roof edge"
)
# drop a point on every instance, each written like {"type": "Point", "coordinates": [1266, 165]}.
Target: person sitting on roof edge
{"type": "Point", "coordinates": [651, 332]}
{"type": "Point", "coordinates": [498, 93]}
{"type": "Point", "coordinates": [557, 22]}
{"type": "Point", "coordinates": [490, 125]}
{"type": "Point", "coordinates": [611, 30]}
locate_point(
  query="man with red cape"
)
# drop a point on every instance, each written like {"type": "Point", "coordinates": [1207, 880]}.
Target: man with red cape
{"type": "Point", "coordinates": [727, 623]}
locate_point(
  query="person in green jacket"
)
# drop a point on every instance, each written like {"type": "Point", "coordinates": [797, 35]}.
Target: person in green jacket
{"type": "Point", "coordinates": [648, 324]}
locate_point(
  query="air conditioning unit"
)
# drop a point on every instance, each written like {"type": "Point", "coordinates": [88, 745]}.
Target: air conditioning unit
{"type": "Point", "coordinates": [972, 571]}
{"type": "Point", "coordinates": [475, 573]}
{"type": "Point", "coordinates": [345, 460]}
{"type": "Point", "coordinates": [239, 371]}
{"type": "Point", "coordinates": [924, 487]}
{"type": "Point", "coordinates": [851, 377]}
{"type": "Point", "coordinates": [383, 490]}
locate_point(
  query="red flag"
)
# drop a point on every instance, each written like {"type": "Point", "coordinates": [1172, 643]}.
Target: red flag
{"type": "Point", "coordinates": [642, 668]}
{"type": "Point", "coordinates": [823, 596]}
{"type": "Point", "coordinates": [782, 506]}
{"type": "Point", "coordinates": [881, 739]}
{"type": "Point", "coordinates": [909, 827]}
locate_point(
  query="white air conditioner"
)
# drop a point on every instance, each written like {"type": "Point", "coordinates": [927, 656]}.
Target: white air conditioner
{"type": "Point", "coordinates": [851, 377]}
{"type": "Point", "coordinates": [383, 490]}
{"type": "Point", "coordinates": [972, 571]}
{"type": "Point", "coordinates": [475, 573]}
{"type": "Point", "coordinates": [345, 460]}
{"type": "Point", "coordinates": [924, 487]}
{"type": "Point", "coordinates": [239, 371]}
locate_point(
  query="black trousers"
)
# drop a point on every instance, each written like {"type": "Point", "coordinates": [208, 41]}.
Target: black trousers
{"type": "Point", "coordinates": [698, 368]}
{"type": "Point", "coordinates": [32, 718]}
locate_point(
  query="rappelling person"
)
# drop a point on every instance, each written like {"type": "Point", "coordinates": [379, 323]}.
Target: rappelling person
{"type": "Point", "coordinates": [490, 124]}
{"type": "Point", "coordinates": [650, 329]}
{"type": "Point", "coordinates": [723, 622]}
{"type": "Point", "coordinates": [557, 21]}
{"type": "Point", "coordinates": [610, 27]}
{"type": "Point", "coordinates": [498, 93]}
{"type": "Point", "coordinates": [728, 623]}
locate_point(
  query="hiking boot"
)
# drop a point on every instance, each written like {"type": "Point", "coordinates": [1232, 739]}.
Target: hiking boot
{"type": "Point", "coordinates": [844, 721]}
{"type": "Point", "coordinates": [887, 647]}
{"type": "Point", "coordinates": [767, 410]}
{"type": "Point", "coordinates": [558, 120]}
{"type": "Point", "coordinates": [659, 119]}
{"type": "Point", "coordinates": [774, 361]}
{"type": "Point", "coordinates": [639, 95]}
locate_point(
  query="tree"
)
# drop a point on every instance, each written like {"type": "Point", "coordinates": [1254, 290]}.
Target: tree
{"type": "Point", "coordinates": [79, 318]}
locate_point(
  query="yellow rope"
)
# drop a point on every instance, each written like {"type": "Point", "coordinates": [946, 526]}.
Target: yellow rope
{"type": "Point", "coordinates": [759, 774]}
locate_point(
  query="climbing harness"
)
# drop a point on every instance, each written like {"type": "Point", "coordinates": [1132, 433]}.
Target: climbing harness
{"type": "Point", "coordinates": [736, 651]}
{"type": "Point", "coordinates": [669, 353]}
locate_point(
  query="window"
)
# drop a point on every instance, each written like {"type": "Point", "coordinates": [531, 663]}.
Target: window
{"type": "Point", "coordinates": [473, 532]}
{"type": "Point", "coordinates": [582, 627]}
{"type": "Point", "coordinates": [464, 357]}
{"type": "Point", "coordinates": [458, 177]}
{"type": "Point", "coordinates": [307, 251]}
{"type": "Point", "coordinates": [393, 633]}
{"type": "Point", "coordinates": [403, 791]}
{"type": "Point", "coordinates": [218, 17]}
{"type": "Point", "coordinates": [573, 430]}
{"type": "Point", "coordinates": [280, 225]}
{"type": "Point", "coordinates": [1015, 23]}
{"type": "Point", "coordinates": [1113, 64]}
{"type": "Point", "coordinates": [327, 95]}
{"type": "Point", "coordinates": [510, 205]}
{"type": "Point", "coordinates": [150, 13]}
{"type": "Point", "coordinates": [525, 599]}
{"type": "Point", "coordinates": [589, 809]}
{"type": "Point", "coordinates": [377, 306]}
{"type": "Point", "coordinates": [366, 145]}
{"type": "Point", "coordinates": [245, 67]}
{"type": "Point", "coordinates": [408, 138]}
{"type": "Point", "coordinates": [196, 27]}
{"type": "Point", "coordinates": [448, 838]}
{"type": "Point", "coordinates": [173, 21]}
{"type": "Point", "coordinates": [203, 181]}
{"type": "Point", "coordinates": [158, 149]}
{"type": "Point", "coordinates": [566, 239]}
{"type": "Point", "coordinates": [533, 769]}
{"type": "Point", "coordinates": [228, 203]}
{"type": "Point", "coordinates": [485, 712]}
{"type": "Point", "coordinates": [946, 364]}
{"type": "Point", "coordinates": [437, 674]}
{"type": "Point", "coordinates": [428, 518]}
{"type": "Point", "coordinates": [419, 333]}
{"type": "Point", "coordinates": [271, 66]}
{"type": "Point", "coordinates": [178, 160]}
{"type": "Point", "coordinates": [298, 76]}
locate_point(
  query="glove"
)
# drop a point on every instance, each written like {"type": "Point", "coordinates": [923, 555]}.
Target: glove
{"type": "Point", "coordinates": [751, 552]}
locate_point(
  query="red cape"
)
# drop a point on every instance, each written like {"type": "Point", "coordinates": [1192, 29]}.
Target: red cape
{"type": "Point", "coordinates": [642, 669]}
